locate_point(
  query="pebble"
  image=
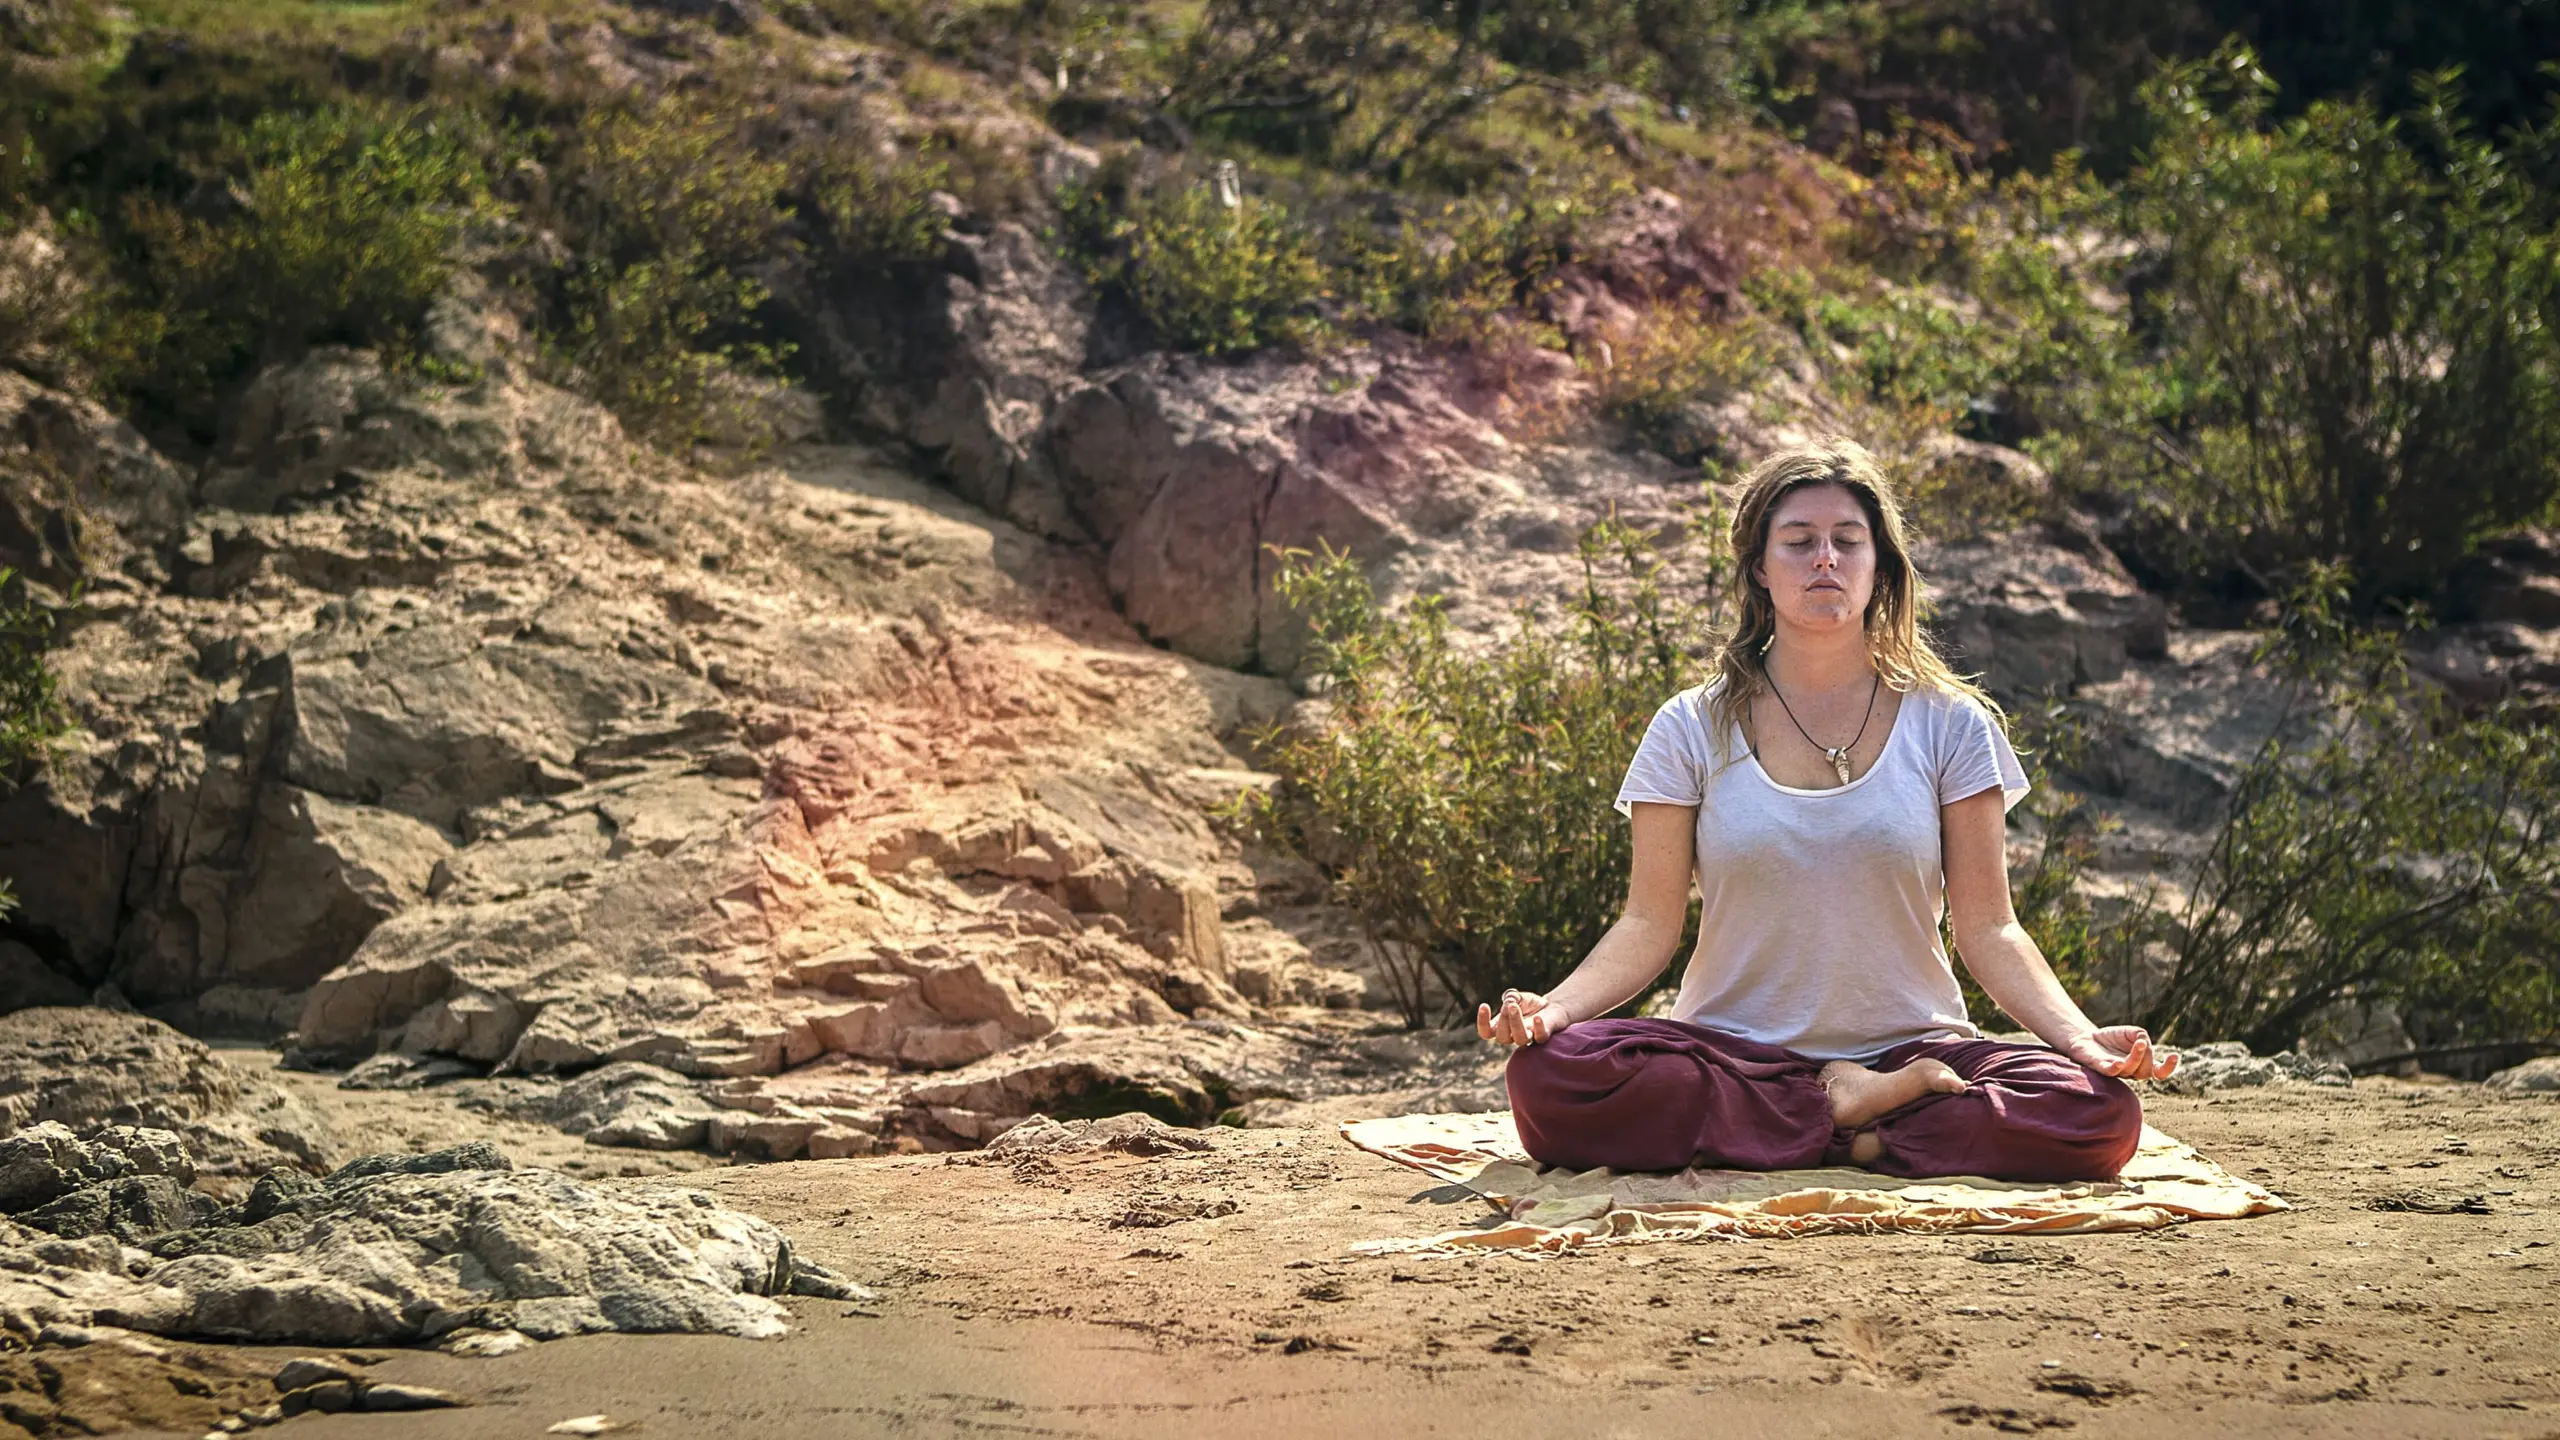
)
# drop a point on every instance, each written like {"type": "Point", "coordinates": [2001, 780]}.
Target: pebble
{"type": "Point", "coordinates": [487, 1344]}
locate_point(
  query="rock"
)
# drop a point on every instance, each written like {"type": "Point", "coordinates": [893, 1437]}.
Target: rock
{"type": "Point", "coordinates": [817, 1282]}
{"type": "Point", "coordinates": [327, 1397]}
{"type": "Point", "coordinates": [83, 1067]}
{"type": "Point", "coordinates": [628, 1104]}
{"type": "Point", "coordinates": [406, 1072]}
{"type": "Point", "coordinates": [469, 1155]}
{"type": "Point", "coordinates": [315, 1370]}
{"type": "Point", "coordinates": [1131, 1134]}
{"type": "Point", "coordinates": [1181, 1074]}
{"type": "Point", "coordinates": [381, 1396]}
{"type": "Point", "coordinates": [2227, 1064]}
{"type": "Point", "coordinates": [86, 493]}
{"type": "Point", "coordinates": [486, 1344]}
{"type": "Point", "coordinates": [2540, 1076]}
{"type": "Point", "coordinates": [402, 1248]}
{"type": "Point", "coordinates": [129, 1210]}
{"type": "Point", "coordinates": [2033, 617]}
{"type": "Point", "coordinates": [109, 1381]}
{"type": "Point", "coordinates": [27, 982]}
{"type": "Point", "coordinates": [46, 1161]}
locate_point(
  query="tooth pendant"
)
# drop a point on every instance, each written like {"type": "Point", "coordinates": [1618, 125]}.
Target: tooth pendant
{"type": "Point", "coordinates": [1839, 762]}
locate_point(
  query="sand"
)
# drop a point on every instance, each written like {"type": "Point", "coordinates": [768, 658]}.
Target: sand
{"type": "Point", "coordinates": [1212, 1294]}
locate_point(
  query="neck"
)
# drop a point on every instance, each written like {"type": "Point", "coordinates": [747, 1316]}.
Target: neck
{"type": "Point", "coordinates": [1804, 662]}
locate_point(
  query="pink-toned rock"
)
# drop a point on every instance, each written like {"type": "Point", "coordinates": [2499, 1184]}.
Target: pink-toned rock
{"type": "Point", "coordinates": [946, 1047]}
{"type": "Point", "coordinates": [838, 1142]}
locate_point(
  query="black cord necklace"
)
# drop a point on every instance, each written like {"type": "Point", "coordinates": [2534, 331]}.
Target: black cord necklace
{"type": "Point", "coordinates": [1839, 758]}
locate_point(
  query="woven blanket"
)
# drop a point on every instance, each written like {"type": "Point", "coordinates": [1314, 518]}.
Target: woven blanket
{"type": "Point", "coordinates": [1541, 1209]}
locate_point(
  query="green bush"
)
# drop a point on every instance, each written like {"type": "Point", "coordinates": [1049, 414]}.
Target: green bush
{"type": "Point", "coordinates": [2355, 339]}
{"type": "Point", "coordinates": [880, 213]}
{"type": "Point", "coordinates": [1374, 88]}
{"type": "Point", "coordinates": [668, 209]}
{"type": "Point", "coordinates": [1677, 358]}
{"type": "Point", "coordinates": [2381, 846]}
{"type": "Point", "coordinates": [41, 301]}
{"type": "Point", "coordinates": [339, 226]}
{"type": "Point", "coordinates": [1461, 797]}
{"type": "Point", "coordinates": [1219, 280]}
{"type": "Point", "coordinates": [1474, 265]}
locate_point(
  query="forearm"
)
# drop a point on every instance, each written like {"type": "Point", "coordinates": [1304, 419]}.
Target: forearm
{"type": "Point", "coordinates": [2004, 961]}
{"type": "Point", "coordinates": [1626, 960]}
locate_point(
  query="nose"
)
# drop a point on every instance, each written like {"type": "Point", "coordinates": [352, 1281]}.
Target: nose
{"type": "Point", "coordinates": [1825, 554]}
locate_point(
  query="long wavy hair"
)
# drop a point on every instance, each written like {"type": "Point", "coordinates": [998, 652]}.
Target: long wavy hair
{"type": "Point", "coordinates": [1904, 655]}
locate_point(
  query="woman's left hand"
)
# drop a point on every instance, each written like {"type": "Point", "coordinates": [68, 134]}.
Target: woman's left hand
{"type": "Point", "coordinates": [2123, 1051]}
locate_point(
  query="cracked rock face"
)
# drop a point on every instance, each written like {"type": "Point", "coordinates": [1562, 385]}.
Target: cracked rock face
{"type": "Point", "coordinates": [401, 1248]}
{"type": "Point", "coordinates": [438, 722]}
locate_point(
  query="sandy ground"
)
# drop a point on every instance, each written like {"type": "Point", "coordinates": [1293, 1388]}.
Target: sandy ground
{"type": "Point", "coordinates": [1212, 1294]}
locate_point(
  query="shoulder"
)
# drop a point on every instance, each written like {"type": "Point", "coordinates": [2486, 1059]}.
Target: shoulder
{"type": "Point", "coordinates": [1952, 709]}
{"type": "Point", "coordinates": [1685, 721]}
{"type": "Point", "coordinates": [1691, 704]}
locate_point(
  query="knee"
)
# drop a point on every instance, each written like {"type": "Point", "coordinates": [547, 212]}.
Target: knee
{"type": "Point", "coordinates": [2117, 1119]}
{"type": "Point", "coordinates": [1535, 1078]}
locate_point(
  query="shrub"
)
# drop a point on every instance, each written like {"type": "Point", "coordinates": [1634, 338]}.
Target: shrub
{"type": "Point", "coordinates": [1462, 798]}
{"type": "Point", "coordinates": [2382, 847]}
{"type": "Point", "coordinates": [1475, 265]}
{"type": "Point", "coordinates": [40, 300]}
{"type": "Point", "coordinates": [1213, 278]}
{"type": "Point", "coordinates": [1676, 358]}
{"type": "Point", "coordinates": [339, 226]}
{"type": "Point", "coordinates": [2357, 332]}
{"type": "Point", "coordinates": [880, 213]}
{"type": "Point", "coordinates": [668, 209]}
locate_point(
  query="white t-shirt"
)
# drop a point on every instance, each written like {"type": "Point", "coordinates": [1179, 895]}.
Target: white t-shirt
{"type": "Point", "coordinates": [1820, 924]}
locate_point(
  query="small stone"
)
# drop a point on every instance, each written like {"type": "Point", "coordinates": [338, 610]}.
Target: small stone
{"type": "Point", "coordinates": [588, 1425]}
{"type": "Point", "coordinates": [329, 1397]}
{"type": "Point", "coordinates": [308, 1370]}
{"type": "Point", "coordinates": [487, 1344]}
{"type": "Point", "coordinates": [407, 1397]}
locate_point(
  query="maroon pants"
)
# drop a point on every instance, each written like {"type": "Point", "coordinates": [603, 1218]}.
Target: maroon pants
{"type": "Point", "coordinates": [1665, 1095]}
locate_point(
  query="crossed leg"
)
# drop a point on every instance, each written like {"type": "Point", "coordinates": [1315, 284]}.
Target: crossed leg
{"type": "Point", "coordinates": [1664, 1094]}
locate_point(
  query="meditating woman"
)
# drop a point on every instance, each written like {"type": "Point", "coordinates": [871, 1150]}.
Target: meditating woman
{"type": "Point", "coordinates": [1830, 787]}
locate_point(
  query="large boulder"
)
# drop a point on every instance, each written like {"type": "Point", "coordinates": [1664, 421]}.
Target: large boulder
{"type": "Point", "coordinates": [2533, 1077]}
{"type": "Point", "coordinates": [81, 492]}
{"type": "Point", "coordinates": [83, 1067]}
{"type": "Point", "coordinates": [41, 1163]}
{"type": "Point", "coordinates": [399, 1248]}
{"type": "Point", "coordinates": [78, 1069]}
{"type": "Point", "coordinates": [2041, 612]}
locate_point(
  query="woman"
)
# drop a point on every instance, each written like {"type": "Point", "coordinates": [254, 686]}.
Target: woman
{"type": "Point", "coordinates": [1831, 787]}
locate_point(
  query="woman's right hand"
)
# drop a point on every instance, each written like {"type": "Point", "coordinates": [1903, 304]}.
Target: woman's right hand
{"type": "Point", "coordinates": [1526, 1018]}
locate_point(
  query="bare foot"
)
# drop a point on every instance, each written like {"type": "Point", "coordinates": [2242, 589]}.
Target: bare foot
{"type": "Point", "coordinates": [1859, 1095]}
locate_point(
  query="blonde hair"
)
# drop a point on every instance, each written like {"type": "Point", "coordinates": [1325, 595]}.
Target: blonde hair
{"type": "Point", "coordinates": [1904, 656]}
